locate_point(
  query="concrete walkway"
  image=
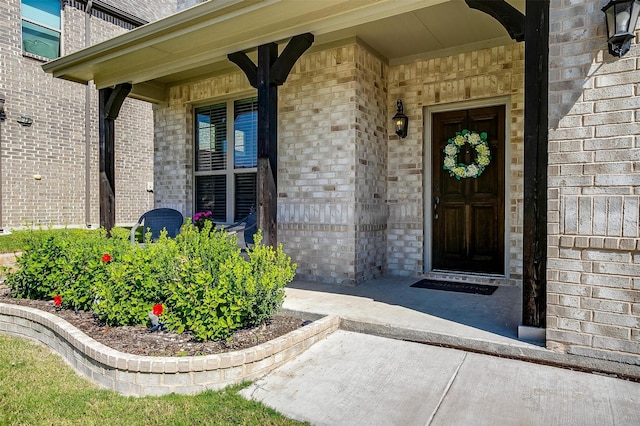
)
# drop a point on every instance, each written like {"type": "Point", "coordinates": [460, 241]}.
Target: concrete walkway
{"type": "Point", "coordinates": [362, 378]}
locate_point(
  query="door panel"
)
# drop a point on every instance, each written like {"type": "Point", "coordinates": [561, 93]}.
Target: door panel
{"type": "Point", "coordinates": [468, 214]}
{"type": "Point", "coordinates": [452, 222]}
{"type": "Point", "coordinates": [483, 229]}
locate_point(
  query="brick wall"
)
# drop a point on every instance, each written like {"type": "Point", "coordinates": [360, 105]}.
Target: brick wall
{"type": "Point", "coordinates": [472, 76]}
{"type": "Point", "coordinates": [331, 170]}
{"type": "Point", "coordinates": [350, 197]}
{"type": "Point", "coordinates": [317, 179]}
{"type": "Point", "coordinates": [331, 152]}
{"type": "Point", "coordinates": [54, 147]}
{"type": "Point", "coordinates": [371, 212]}
{"type": "Point", "coordinates": [134, 375]}
{"type": "Point", "coordinates": [594, 177]}
{"type": "Point", "coordinates": [134, 139]}
{"type": "Point", "coordinates": [332, 183]}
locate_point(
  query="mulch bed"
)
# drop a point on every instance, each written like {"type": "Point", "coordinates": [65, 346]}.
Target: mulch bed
{"type": "Point", "coordinates": [139, 340]}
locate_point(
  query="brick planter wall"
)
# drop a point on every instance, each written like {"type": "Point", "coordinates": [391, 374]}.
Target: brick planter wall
{"type": "Point", "coordinates": [135, 375]}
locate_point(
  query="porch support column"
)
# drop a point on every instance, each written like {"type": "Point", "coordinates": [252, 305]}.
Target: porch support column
{"type": "Point", "coordinates": [536, 108]}
{"type": "Point", "coordinates": [110, 102]}
{"type": "Point", "coordinates": [271, 72]}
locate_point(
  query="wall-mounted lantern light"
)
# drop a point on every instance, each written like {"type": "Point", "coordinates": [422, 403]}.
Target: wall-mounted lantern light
{"type": "Point", "coordinates": [400, 120]}
{"type": "Point", "coordinates": [3, 115]}
{"type": "Point", "coordinates": [25, 120]}
{"type": "Point", "coordinates": [621, 17]}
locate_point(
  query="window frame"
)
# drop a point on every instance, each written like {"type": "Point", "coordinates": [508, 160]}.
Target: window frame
{"type": "Point", "coordinates": [23, 19]}
{"type": "Point", "coordinates": [230, 170]}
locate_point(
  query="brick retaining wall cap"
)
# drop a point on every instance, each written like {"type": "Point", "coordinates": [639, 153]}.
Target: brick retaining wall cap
{"type": "Point", "coordinates": [135, 375]}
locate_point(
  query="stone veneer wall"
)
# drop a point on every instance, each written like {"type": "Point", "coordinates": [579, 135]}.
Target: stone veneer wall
{"type": "Point", "coordinates": [594, 188]}
{"type": "Point", "coordinates": [54, 146]}
{"type": "Point", "coordinates": [477, 75]}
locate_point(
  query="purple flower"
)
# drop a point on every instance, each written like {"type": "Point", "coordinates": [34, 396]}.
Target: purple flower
{"type": "Point", "coordinates": [201, 215]}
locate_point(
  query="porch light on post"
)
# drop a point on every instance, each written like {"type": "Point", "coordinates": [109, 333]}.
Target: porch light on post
{"type": "Point", "coordinates": [400, 120]}
{"type": "Point", "coordinates": [621, 18]}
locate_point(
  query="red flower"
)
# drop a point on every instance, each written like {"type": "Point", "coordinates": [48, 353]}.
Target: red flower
{"type": "Point", "coordinates": [157, 309]}
{"type": "Point", "coordinates": [106, 258]}
{"type": "Point", "coordinates": [57, 300]}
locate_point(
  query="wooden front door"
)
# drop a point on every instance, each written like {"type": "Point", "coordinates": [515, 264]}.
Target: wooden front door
{"type": "Point", "coordinates": [468, 214]}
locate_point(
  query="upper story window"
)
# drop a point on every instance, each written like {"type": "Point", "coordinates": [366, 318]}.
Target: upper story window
{"type": "Point", "coordinates": [41, 27]}
{"type": "Point", "coordinates": [225, 178]}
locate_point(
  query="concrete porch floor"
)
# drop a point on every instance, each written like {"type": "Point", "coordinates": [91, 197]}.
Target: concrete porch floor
{"type": "Point", "coordinates": [389, 307]}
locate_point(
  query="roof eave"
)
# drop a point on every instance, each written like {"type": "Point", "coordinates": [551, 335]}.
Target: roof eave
{"type": "Point", "coordinates": [123, 59]}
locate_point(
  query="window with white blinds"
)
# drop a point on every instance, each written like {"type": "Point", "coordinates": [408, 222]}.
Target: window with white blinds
{"type": "Point", "coordinates": [225, 179]}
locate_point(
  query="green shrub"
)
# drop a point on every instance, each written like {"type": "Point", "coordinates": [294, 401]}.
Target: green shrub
{"type": "Point", "coordinates": [262, 280]}
{"type": "Point", "coordinates": [206, 285]}
{"type": "Point", "coordinates": [60, 262]}
{"type": "Point", "coordinates": [39, 267]}
{"type": "Point", "coordinates": [198, 304]}
{"type": "Point", "coordinates": [219, 290]}
{"type": "Point", "coordinates": [135, 279]}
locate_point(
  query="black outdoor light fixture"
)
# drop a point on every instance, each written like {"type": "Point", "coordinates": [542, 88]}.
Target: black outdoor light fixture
{"type": "Point", "coordinates": [621, 17]}
{"type": "Point", "coordinates": [25, 121]}
{"type": "Point", "coordinates": [3, 115]}
{"type": "Point", "coordinates": [400, 120]}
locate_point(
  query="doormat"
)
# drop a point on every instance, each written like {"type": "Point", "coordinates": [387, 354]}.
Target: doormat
{"type": "Point", "coordinates": [485, 290]}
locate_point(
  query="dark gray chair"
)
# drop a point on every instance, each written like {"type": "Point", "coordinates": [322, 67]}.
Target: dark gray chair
{"type": "Point", "coordinates": [248, 225]}
{"type": "Point", "coordinates": [158, 219]}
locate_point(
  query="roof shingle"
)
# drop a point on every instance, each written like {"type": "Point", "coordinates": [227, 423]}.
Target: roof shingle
{"type": "Point", "coordinates": [148, 10]}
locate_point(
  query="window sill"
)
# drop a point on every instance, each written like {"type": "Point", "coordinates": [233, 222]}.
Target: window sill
{"type": "Point", "coordinates": [36, 57]}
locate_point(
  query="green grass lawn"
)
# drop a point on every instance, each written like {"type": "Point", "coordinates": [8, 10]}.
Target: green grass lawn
{"type": "Point", "coordinates": [14, 242]}
{"type": "Point", "coordinates": [11, 242]}
{"type": "Point", "coordinates": [38, 388]}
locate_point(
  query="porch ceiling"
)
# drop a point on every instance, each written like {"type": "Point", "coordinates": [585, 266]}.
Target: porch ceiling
{"type": "Point", "coordinates": [196, 41]}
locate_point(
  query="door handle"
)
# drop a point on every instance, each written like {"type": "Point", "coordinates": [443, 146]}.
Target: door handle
{"type": "Point", "coordinates": [436, 202]}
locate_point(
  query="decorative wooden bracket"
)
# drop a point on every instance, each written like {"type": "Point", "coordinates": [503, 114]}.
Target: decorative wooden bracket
{"type": "Point", "coordinates": [279, 67]}
{"type": "Point", "coordinates": [510, 17]}
{"type": "Point", "coordinates": [271, 72]}
{"type": "Point", "coordinates": [246, 65]}
{"type": "Point", "coordinates": [110, 102]}
{"type": "Point", "coordinates": [291, 53]}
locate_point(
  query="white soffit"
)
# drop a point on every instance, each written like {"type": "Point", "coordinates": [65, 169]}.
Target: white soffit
{"type": "Point", "coordinates": [439, 30]}
{"type": "Point", "coordinates": [197, 41]}
{"type": "Point", "coordinates": [208, 32]}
